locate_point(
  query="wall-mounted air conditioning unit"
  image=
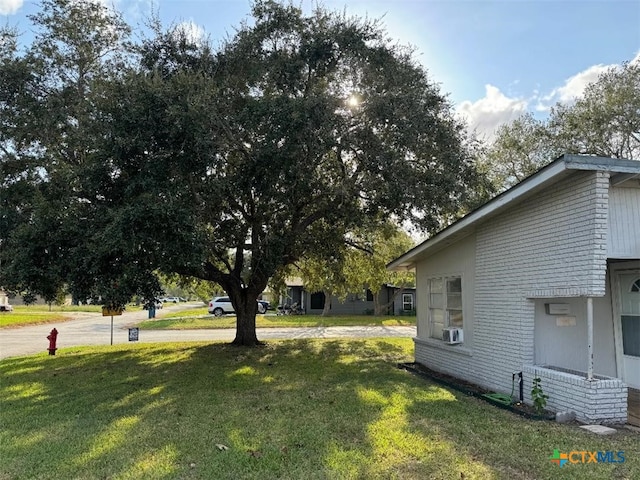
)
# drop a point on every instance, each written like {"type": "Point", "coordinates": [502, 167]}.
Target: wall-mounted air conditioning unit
{"type": "Point", "coordinates": [452, 335]}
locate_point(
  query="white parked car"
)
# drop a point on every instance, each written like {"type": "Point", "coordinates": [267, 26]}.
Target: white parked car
{"type": "Point", "coordinates": [222, 305]}
{"type": "Point", "coordinates": [170, 299]}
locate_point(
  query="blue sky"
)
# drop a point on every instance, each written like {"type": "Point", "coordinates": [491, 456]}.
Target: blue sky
{"type": "Point", "coordinates": [495, 58]}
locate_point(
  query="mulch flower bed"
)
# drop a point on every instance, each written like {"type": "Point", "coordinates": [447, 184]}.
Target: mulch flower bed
{"type": "Point", "coordinates": [474, 390]}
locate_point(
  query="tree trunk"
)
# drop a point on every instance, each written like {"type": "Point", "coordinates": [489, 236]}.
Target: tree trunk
{"type": "Point", "coordinates": [327, 303]}
{"type": "Point", "coordinates": [246, 335]}
{"type": "Point", "coordinates": [245, 304]}
{"type": "Point", "coordinates": [377, 308]}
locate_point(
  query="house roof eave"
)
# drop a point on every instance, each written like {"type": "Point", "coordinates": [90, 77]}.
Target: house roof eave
{"type": "Point", "coordinates": [549, 174]}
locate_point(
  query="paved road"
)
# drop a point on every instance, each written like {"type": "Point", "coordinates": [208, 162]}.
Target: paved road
{"type": "Point", "coordinates": [94, 329]}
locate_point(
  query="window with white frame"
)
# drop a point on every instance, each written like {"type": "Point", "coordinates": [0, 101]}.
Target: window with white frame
{"type": "Point", "coordinates": [445, 304]}
{"type": "Point", "coordinates": [407, 302]}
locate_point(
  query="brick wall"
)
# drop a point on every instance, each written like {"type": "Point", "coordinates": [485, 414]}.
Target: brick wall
{"type": "Point", "coordinates": [552, 245]}
{"type": "Point", "coordinates": [602, 400]}
{"type": "Point", "coordinates": [455, 360]}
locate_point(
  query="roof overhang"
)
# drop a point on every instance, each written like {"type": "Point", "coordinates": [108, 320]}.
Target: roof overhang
{"type": "Point", "coordinates": [622, 170]}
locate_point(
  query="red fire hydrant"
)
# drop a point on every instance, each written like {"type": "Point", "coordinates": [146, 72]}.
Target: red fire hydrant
{"type": "Point", "coordinates": [52, 337]}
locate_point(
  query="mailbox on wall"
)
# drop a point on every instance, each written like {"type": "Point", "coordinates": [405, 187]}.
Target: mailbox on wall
{"type": "Point", "coordinates": [557, 308]}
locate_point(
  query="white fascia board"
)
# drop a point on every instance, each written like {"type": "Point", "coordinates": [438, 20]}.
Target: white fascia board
{"type": "Point", "coordinates": [604, 164]}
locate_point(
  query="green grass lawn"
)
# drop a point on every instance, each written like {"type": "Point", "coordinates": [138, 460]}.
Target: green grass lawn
{"type": "Point", "coordinates": [192, 312]}
{"type": "Point", "coordinates": [302, 409]}
{"type": "Point", "coordinates": [200, 319]}
{"type": "Point", "coordinates": [57, 308]}
{"type": "Point", "coordinates": [17, 318]}
{"type": "Point", "coordinates": [35, 314]}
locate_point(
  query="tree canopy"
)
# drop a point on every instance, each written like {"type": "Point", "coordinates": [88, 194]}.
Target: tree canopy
{"type": "Point", "coordinates": [605, 121]}
{"type": "Point", "coordinates": [360, 263]}
{"type": "Point", "coordinates": [226, 165]}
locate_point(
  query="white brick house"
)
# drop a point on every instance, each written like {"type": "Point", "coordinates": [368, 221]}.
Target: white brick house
{"type": "Point", "coordinates": [545, 280]}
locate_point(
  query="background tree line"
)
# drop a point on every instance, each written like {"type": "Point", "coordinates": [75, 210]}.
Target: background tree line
{"type": "Point", "coordinates": [604, 122]}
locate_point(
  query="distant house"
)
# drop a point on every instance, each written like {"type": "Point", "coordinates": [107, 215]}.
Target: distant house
{"type": "Point", "coordinates": [19, 300]}
{"type": "Point", "coordinates": [545, 280]}
{"type": "Point", "coordinates": [401, 302]}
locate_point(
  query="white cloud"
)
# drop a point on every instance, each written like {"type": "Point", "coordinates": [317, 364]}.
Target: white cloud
{"type": "Point", "coordinates": [485, 115]}
{"type": "Point", "coordinates": [574, 86]}
{"type": "Point", "coordinates": [137, 10]}
{"type": "Point", "coordinates": [9, 7]}
{"type": "Point", "coordinates": [195, 33]}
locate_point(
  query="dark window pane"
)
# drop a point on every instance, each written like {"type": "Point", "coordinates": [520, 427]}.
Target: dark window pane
{"type": "Point", "coordinates": [631, 335]}
{"type": "Point", "coordinates": [454, 301]}
{"type": "Point", "coordinates": [317, 300]}
{"type": "Point", "coordinates": [454, 285]}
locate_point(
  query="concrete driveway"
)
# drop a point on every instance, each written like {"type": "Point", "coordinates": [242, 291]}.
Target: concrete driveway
{"type": "Point", "coordinates": [94, 329]}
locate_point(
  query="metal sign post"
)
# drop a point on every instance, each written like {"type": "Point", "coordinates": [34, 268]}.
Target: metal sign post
{"type": "Point", "coordinates": [106, 311]}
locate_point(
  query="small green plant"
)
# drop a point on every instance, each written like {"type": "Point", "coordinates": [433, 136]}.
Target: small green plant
{"type": "Point", "coordinates": [538, 396]}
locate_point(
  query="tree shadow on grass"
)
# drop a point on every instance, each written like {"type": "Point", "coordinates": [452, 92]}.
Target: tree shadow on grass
{"type": "Point", "coordinates": [292, 409]}
{"type": "Point", "coordinates": [514, 446]}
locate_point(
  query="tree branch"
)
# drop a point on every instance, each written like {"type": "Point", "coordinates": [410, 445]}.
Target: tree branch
{"type": "Point", "coordinates": [358, 246]}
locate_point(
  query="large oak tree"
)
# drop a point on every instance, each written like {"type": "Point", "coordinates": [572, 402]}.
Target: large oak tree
{"type": "Point", "coordinates": [229, 164]}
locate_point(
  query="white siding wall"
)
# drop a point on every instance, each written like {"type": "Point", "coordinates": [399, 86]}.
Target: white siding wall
{"type": "Point", "coordinates": [624, 223]}
{"type": "Point", "coordinates": [452, 359]}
